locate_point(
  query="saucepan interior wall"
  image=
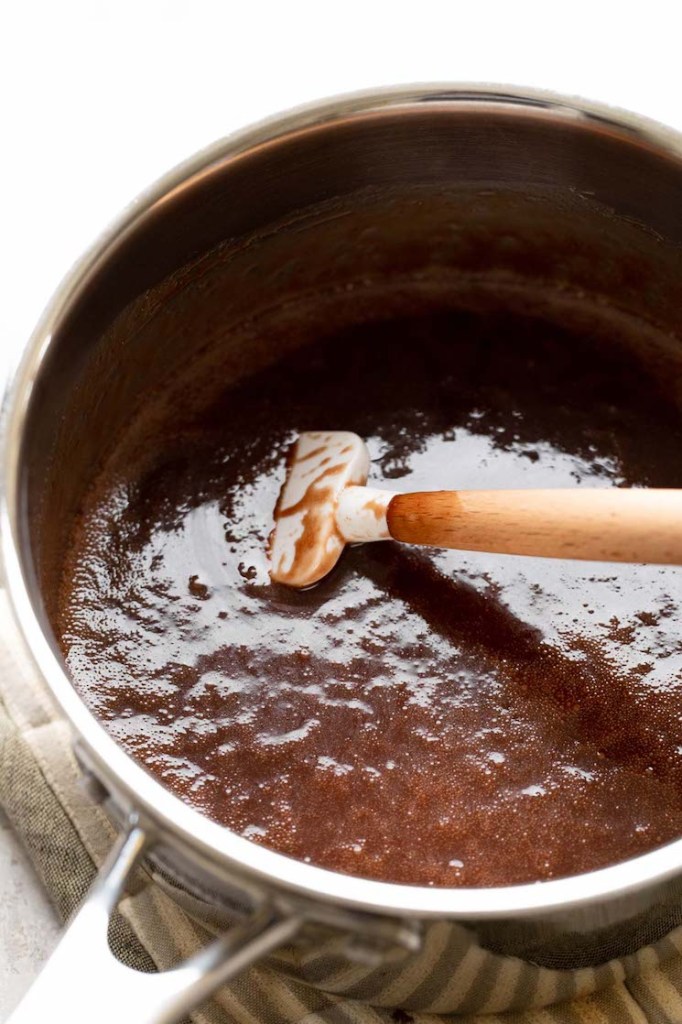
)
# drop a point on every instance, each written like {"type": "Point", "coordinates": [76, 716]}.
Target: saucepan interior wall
{"type": "Point", "coordinates": [466, 206]}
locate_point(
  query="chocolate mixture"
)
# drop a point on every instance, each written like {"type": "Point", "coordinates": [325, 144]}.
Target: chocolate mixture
{"type": "Point", "coordinates": [421, 716]}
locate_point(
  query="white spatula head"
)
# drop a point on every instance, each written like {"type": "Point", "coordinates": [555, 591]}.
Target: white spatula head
{"type": "Point", "coordinates": [306, 543]}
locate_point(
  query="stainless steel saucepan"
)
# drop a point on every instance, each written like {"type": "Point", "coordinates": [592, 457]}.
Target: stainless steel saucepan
{"type": "Point", "coordinates": [517, 194]}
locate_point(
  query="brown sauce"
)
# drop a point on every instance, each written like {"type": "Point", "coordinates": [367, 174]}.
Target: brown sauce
{"type": "Point", "coordinates": [421, 716]}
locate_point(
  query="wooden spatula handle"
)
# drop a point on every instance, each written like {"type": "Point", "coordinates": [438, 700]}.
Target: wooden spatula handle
{"type": "Point", "coordinates": [612, 524]}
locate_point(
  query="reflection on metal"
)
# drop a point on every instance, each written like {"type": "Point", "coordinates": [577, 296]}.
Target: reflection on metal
{"type": "Point", "coordinates": [101, 988]}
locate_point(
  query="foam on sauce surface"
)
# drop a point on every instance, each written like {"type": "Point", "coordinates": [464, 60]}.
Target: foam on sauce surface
{"type": "Point", "coordinates": [421, 716]}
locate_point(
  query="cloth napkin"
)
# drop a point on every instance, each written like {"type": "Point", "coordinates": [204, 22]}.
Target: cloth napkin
{"type": "Point", "coordinates": [67, 836]}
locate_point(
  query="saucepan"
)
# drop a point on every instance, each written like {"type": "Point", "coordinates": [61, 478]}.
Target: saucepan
{"type": "Point", "coordinates": [540, 189]}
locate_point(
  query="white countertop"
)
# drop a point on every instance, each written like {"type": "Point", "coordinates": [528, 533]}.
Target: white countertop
{"type": "Point", "coordinates": [100, 99]}
{"type": "Point", "coordinates": [28, 925]}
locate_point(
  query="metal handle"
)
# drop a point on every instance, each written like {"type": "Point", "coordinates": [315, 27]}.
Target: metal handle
{"type": "Point", "coordinates": [84, 981]}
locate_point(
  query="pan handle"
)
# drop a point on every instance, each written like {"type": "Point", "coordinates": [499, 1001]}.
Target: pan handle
{"type": "Point", "coordinates": [84, 981]}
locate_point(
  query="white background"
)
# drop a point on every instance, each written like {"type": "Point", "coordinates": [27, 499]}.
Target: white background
{"type": "Point", "coordinates": [98, 99]}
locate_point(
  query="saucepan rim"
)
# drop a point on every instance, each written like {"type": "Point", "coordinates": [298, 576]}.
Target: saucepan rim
{"type": "Point", "coordinates": [129, 780]}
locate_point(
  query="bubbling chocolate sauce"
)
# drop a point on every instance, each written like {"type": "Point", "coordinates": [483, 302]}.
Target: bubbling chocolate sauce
{"type": "Point", "coordinates": [421, 716]}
